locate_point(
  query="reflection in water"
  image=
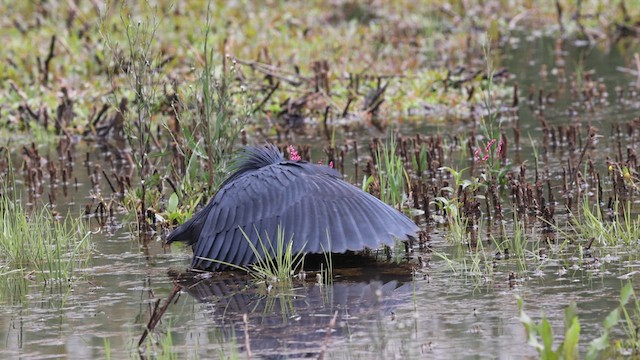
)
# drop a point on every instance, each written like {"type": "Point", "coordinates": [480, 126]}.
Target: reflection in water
{"type": "Point", "coordinates": [293, 322]}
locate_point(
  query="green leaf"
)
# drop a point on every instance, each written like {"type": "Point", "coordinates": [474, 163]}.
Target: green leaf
{"type": "Point", "coordinates": [571, 338]}
{"type": "Point", "coordinates": [547, 340]}
{"type": "Point", "coordinates": [597, 345]}
{"type": "Point", "coordinates": [612, 319]}
{"type": "Point", "coordinates": [570, 315]}
{"type": "Point", "coordinates": [625, 294]}
{"type": "Point", "coordinates": [172, 204]}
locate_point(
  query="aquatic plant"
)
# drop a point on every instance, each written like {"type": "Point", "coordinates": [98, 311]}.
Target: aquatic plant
{"type": "Point", "coordinates": [519, 246]}
{"type": "Point", "coordinates": [624, 228]}
{"type": "Point", "coordinates": [176, 214]}
{"type": "Point", "coordinates": [38, 241]}
{"type": "Point", "coordinates": [627, 312]}
{"type": "Point", "coordinates": [107, 348]}
{"type": "Point", "coordinates": [14, 284]}
{"type": "Point", "coordinates": [540, 335]}
{"type": "Point", "coordinates": [391, 180]}
{"type": "Point", "coordinates": [326, 272]}
{"type": "Point", "coordinates": [453, 207]}
{"type": "Point", "coordinates": [138, 62]}
{"type": "Point", "coordinates": [211, 129]}
{"type": "Point", "coordinates": [162, 348]}
{"type": "Point", "coordinates": [276, 265]}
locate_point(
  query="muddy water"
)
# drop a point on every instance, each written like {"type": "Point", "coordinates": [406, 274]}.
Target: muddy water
{"type": "Point", "coordinates": [440, 313]}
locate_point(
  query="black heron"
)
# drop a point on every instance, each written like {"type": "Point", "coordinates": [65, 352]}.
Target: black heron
{"type": "Point", "coordinates": [309, 202]}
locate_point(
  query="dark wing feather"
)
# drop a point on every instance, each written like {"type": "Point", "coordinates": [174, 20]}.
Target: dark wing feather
{"type": "Point", "coordinates": [309, 201]}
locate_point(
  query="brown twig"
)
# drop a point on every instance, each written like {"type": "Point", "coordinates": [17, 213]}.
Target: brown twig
{"type": "Point", "coordinates": [266, 98]}
{"type": "Point", "coordinates": [559, 13]}
{"type": "Point", "coordinates": [47, 62]}
{"type": "Point", "coordinates": [325, 344]}
{"type": "Point", "coordinates": [588, 143]}
{"type": "Point", "coordinates": [113, 189]}
{"type": "Point", "coordinates": [157, 314]}
{"type": "Point", "coordinates": [247, 344]}
{"type": "Point", "coordinates": [294, 79]}
{"type": "Point", "coordinates": [25, 98]}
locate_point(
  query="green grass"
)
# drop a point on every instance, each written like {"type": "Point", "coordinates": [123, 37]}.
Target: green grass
{"type": "Point", "coordinates": [623, 229]}
{"type": "Point", "coordinates": [392, 178]}
{"type": "Point", "coordinates": [107, 348]}
{"type": "Point", "coordinates": [14, 284]}
{"type": "Point", "coordinates": [523, 248]}
{"type": "Point", "coordinates": [327, 267]}
{"type": "Point", "coordinates": [38, 241]}
{"type": "Point", "coordinates": [458, 224]}
{"type": "Point", "coordinates": [161, 348]}
{"type": "Point", "coordinates": [278, 264]}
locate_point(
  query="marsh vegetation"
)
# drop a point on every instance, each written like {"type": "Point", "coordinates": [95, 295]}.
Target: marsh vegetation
{"type": "Point", "coordinates": [508, 131]}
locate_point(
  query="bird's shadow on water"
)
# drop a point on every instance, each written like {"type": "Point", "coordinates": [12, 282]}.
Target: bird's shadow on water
{"type": "Point", "coordinates": [295, 321]}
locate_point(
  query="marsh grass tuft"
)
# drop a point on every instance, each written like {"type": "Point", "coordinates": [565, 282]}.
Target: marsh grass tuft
{"type": "Point", "coordinates": [522, 247]}
{"type": "Point", "coordinates": [327, 272]}
{"type": "Point", "coordinates": [38, 241]}
{"type": "Point", "coordinates": [392, 177]}
{"type": "Point", "coordinates": [452, 207]}
{"type": "Point", "coordinates": [275, 264]}
{"type": "Point", "coordinates": [13, 285]}
{"type": "Point", "coordinates": [623, 229]}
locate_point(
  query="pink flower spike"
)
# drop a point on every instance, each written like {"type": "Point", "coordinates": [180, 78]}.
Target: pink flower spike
{"type": "Point", "coordinates": [293, 154]}
{"type": "Point", "coordinates": [500, 148]}
{"type": "Point", "coordinates": [331, 164]}
{"type": "Point", "coordinates": [493, 141]}
{"type": "Point", "coordinates": [477, 153]}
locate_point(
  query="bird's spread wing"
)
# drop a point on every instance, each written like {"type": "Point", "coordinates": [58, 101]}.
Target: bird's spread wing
{"type": "Point", "coordinates": [308, 202]}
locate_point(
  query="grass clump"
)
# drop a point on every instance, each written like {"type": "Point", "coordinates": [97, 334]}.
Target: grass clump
{"type": "Point", "coordinates": [391, 179]}
{"type": "Point", "coordinates": [38, 241]}
{"type": "Point", "coordinates": [275, 264]}
{"type": "Point", "coordinates": [623, 229]}
{"type": "Point", "coordinates": [453, 207]}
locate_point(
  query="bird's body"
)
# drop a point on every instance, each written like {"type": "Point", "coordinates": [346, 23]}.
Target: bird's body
{"type": "Point", "coordinates": [309, 202]}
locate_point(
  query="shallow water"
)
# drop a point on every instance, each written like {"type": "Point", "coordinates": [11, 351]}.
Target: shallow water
{"type": "Point", "coordinates": [441, 313]}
